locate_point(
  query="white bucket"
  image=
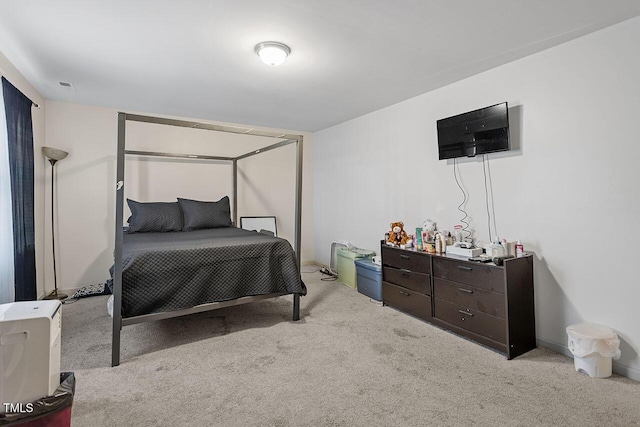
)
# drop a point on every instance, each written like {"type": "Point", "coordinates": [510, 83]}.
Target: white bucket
{"type": "Point", "coordinates": [595, 366]}
{"type": "Point", "coordinates": [593, 347]}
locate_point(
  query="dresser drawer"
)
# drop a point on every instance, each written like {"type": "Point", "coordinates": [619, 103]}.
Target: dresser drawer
{"type": "Point", "coordinates": [472, 320]}
{"type": "Point", "coordinates": [411, 302]}
{"type": "Point", "coordinates": [418, 282]}
{"type": "Point", "coordinates": [485, 301]}
{"type": "Point", "coordinates": [408, 260]}
{"type": "Point", "coordinates": [470, 273]}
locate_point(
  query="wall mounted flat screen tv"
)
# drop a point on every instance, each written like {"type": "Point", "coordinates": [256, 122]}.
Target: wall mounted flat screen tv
{"type": "Point", "coordinates": [481, 131]}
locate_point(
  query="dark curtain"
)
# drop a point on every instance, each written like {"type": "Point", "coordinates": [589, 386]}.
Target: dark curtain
{"type": "Point", "coordinates": [20, 135]}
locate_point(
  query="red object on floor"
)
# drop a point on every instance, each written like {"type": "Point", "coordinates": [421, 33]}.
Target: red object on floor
{"type": "Point", "coordinates": [61, 418]}
{"type": "Point", "coordinates": [49, 411]}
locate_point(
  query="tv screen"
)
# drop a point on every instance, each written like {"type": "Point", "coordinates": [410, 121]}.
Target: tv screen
{"type": "Point", "coordinates": [477, 132]}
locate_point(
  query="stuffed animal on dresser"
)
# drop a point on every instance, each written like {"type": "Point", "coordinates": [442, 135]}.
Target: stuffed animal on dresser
{"type": "Point", "coordinates": [428, 230]}
{"type": "Point", "coordinates": [397, 235]}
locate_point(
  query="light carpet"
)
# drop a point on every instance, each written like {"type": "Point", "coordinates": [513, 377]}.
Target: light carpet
{"type": "Point", "coordinates": [347, 362]}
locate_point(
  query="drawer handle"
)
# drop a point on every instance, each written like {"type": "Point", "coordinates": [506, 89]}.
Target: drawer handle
{"type": "Point", "coordinates": [406, 294]}
{"type": "Point", "coordinates": [465, 268]}
{"type": "Point", "coordinates": [405, 256]}
{"type": "Point", "coordinates": [468, 291]}
{"type": "Point", "coordinates": [466, 313]}
{"type": "Point", "coordinates": [405, 275]}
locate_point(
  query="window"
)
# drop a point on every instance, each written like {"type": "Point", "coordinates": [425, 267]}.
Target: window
{"type": "Point", "coordinates": [7, 280]}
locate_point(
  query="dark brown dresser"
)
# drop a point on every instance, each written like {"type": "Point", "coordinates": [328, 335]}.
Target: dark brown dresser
{"type": "Point", "coordinates": [406, 282]}
{"type": "Point", "coordinates": [492, 305]}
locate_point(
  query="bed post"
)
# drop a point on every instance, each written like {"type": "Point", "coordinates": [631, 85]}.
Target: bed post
{"type": "Point", "coordinates": [117, 253]}
{"type": "Point", "coordinates": [298, 219]}
{"type": "Point", "coordinates": [235, 192]}
{"type": "Point", "coordinates": [296, 307]}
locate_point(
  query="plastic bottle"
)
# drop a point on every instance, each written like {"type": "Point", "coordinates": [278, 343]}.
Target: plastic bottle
{"type": "Point", "coordinates": [497, 249]}
{"type": "Point", "coordinates": [519, 249]}
{"type": "Point", "coordinates": [457, 233]}
{"type": "Point", "coordinates": [438, 244]}
{"type": "Point", "coordinates": [418, 241]}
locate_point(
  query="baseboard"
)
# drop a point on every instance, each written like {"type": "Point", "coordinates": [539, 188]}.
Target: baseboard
{"type": "Point", "coordinates": [68, 292]}
{"type": "Point", "coordinates": [552, 345]}
{"type": "Point", "coordinates": [316, 264]}
{"type": "Point", "coordinates": [618, 368]}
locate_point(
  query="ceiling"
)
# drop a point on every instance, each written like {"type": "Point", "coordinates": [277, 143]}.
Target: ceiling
{"type": "Point", "coordinates": [195, 58]}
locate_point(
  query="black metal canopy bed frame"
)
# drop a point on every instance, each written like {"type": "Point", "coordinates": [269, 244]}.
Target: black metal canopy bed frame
{"type": "Point", "coordinates": [120, 320]}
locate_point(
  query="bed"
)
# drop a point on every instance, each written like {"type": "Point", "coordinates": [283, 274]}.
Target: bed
{"type": "Point", "coordinates": [169, 271]}
{"type": "Point", "coordinates": [159, 274]}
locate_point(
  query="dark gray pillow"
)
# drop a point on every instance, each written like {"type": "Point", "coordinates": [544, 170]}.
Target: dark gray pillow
{"type": "Point", "coordinates": [197, 215]}
{"type": "Point", "coordinates": [157, 216]}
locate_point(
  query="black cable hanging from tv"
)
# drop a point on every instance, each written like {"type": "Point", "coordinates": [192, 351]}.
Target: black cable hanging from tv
{"type": "Point", "coordinates": [486, 197]}
{"type": "Point", "coordinates": [461, 205]}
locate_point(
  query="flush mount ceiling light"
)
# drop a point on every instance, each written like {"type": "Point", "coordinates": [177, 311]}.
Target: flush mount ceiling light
{"type": "Point", "coordinates": [272, 53]}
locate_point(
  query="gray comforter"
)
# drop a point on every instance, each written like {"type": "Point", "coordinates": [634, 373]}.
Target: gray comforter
{"type": "Point", "coordinates": [176, 270]}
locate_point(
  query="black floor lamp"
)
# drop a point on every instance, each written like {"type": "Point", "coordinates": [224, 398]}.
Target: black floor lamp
{"type": "Point", "coordinates": [54, 155]}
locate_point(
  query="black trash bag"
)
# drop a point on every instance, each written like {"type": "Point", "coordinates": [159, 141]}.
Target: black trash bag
{"type": "Point", "coordinates": [46, 407]}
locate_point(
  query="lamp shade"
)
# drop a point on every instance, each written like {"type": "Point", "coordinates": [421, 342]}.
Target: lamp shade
{"type": "Point", "coordinates": [54, 153]}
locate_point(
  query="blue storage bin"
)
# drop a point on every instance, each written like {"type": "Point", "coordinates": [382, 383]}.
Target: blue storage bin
{"type": "Point", "coordinates": [369, 279]}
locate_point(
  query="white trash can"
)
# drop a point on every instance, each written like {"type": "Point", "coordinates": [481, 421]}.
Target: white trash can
{"type": "Point", "coordinates": [593, 347]}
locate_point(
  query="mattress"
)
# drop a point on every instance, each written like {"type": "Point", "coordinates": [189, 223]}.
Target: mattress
{"type": "Point", "coordinates": [176, 270]}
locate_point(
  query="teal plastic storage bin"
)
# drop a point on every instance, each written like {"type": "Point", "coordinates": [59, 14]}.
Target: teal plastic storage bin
{"type": "Point", "coordinates": [369, 279]}
{"type": "Point", "coordinates": [346, 267]}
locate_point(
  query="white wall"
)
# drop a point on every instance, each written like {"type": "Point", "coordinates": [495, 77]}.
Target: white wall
{"type": "Point", "coordinates": [269, 183]}
{"type": "Point", "coordinates": [86, 182]}
{"type": "Point", "coordinates": [568, 190]}
{"type": "Point", "coordinates": [40, 166]}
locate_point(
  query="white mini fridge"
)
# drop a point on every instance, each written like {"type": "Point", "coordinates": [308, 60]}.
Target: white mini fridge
{"type": "Point", "coordinates": [29, 350]}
